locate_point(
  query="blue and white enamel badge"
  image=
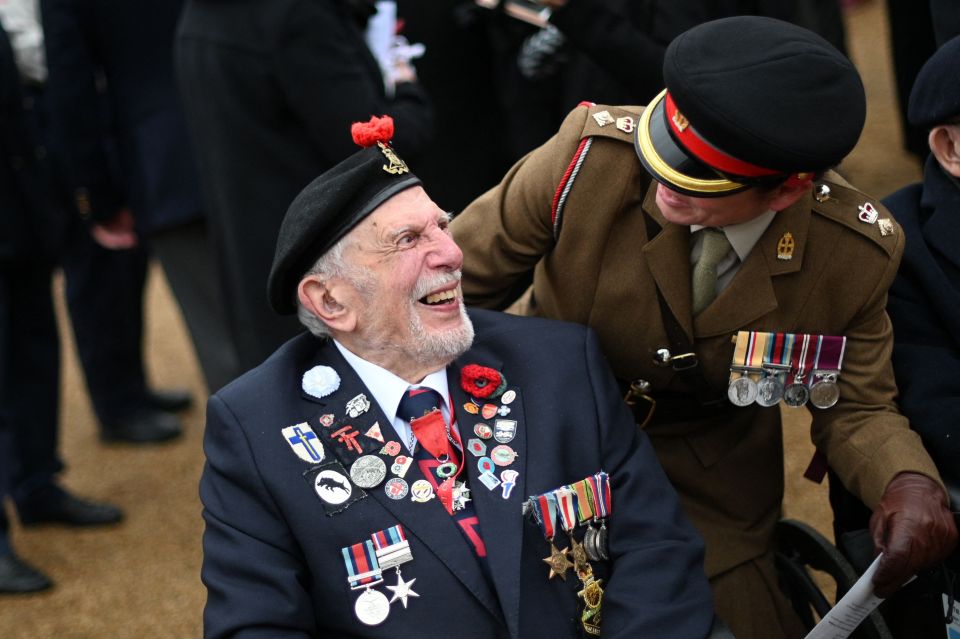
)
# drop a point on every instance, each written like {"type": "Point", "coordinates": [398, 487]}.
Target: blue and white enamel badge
{"type": "Point", "coordinates": [320, 381]}
{"type": "Point", "coordinates": [304, 443]}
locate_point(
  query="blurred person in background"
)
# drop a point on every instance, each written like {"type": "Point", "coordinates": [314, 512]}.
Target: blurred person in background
{"type": "Point", "coordinates": [270, 88]}
{"type": "Point", "coordinates": [31, 239]}
{"type": "Point", "coordinates": [121, 147]}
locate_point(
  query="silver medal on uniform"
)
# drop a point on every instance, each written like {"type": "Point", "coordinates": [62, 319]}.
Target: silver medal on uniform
{"type": "Point", "coordinates": [742, 391]}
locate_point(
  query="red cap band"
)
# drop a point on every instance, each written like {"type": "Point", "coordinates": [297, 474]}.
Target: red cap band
{"type": "Point", "coordinates": [704, 151]}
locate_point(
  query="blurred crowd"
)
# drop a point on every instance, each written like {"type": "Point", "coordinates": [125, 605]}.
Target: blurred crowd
{"type": "Point", "coordinates": [180, 130]}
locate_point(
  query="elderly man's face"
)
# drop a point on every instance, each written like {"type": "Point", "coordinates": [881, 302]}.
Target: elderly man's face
{"type": "Point", "coordinates": [406, 285]}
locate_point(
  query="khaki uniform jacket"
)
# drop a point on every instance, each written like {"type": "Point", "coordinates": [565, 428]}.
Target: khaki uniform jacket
{"type": "Point", "coordinates": [594, 265]}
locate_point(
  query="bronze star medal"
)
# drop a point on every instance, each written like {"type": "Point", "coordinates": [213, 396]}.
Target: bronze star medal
{"type": "Point", "coordinates": [558, 562]}
{"type": "Point", "coordinates": [581, 564]}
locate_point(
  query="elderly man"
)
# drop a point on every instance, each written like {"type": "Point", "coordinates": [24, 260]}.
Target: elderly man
{"type": "Point", "coordinates": [478, 469]}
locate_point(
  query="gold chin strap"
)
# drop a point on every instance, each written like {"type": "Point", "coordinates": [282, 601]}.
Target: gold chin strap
{"type": "Point", "coordinates": [667, 172]}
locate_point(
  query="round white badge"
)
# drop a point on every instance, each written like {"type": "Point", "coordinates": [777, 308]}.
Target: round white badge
{"type": "Point", "coordinates": [332, 487]}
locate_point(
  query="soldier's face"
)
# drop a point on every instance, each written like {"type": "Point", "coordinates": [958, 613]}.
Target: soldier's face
{"type": "Point", "coordinates": [407, 297]}
{"type": "Point", "coordinates": [717, 211]}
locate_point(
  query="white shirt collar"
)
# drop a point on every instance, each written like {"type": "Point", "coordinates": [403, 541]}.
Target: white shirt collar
{"type": "Point", "coordinates": [744, 236]}
{"type": "Point", "coordinates": [387, 388]}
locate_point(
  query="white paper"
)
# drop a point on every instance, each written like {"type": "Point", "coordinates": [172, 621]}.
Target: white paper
{"type": "Point", "coordinates": [852, 608]}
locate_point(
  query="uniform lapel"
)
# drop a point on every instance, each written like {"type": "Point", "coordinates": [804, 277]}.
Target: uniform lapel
{"type": "Point", "coordinates": [501, 522]}
{"type": "Point", "coordinates": [429, 522]}
{"type": "Point", "coordinates": [668, 259]}
{"type": "Point", "coordinates": [751, 293]}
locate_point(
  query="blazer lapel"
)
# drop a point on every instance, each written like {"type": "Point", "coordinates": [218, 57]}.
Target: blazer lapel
{"type": "Point", "coordinates": [429, 522]}
{"type": "Point", "coordinates": [501, 523]}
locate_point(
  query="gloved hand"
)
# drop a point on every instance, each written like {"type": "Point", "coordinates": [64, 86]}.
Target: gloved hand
{"type": "Point", "coordinates": [913, 528]}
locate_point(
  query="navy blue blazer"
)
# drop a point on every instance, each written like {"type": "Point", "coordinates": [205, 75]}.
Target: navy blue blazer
{"type": "Point", "coordinates": [272, 562]}
{"type": "Point", "coordinates": [924, 306]}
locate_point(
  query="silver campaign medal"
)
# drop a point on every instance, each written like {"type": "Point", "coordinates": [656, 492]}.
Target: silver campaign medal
{"type": "Point", "coordinates": [372, 607]}
{"type": "Point", "coordinates": [769, 390]}
{"type": "Point", "coordinates": [742, 391]}
{"type": "Point", "coordinates": [825, 392]}
{"type": "Point", "coordinates": [368, 471]}
{"type": "Point", "coordinates": [796, 395]}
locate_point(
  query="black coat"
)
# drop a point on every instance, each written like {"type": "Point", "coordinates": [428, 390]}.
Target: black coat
{"type": "Point", "coordinates": [31, 228]}
{"type": "Point", "coordinates": [125, 144]}
{"type": "Point", "coordinates": [270, 89]}
{"type": "Point", "coordinates": [924, 306]}
{"type": "Point", "coordinates": [272, 549]}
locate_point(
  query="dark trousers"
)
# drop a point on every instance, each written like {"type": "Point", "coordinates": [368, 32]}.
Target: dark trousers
{"type": "Point", "coordinates": [29, 384]}
{"type": "Point", "coordinates": [104, 290]}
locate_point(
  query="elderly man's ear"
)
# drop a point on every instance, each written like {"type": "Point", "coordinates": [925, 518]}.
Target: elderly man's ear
{"type": "Point", "coordinates": [944, 142]}
{"type": "Point", "coordinates": [327, 300]}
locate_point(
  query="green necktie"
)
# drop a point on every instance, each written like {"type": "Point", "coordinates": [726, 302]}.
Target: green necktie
{"type": "Point", "coordinates": [713, 248]}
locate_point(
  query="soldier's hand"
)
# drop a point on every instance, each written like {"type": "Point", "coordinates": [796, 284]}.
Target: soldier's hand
{"type": "Point", "coordinates": [913, 528]}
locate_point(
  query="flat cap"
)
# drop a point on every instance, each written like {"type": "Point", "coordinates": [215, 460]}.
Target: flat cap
{"type": "Point", "coordinates": [328, 208]}
{"type": "Point", "coordinates": [749, 100]}
{"type": "Point", "coordinates": [935, 97]}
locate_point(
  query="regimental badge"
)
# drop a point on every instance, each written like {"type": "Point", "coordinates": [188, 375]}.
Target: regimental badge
{"type": "Point", "coordinates": [603, 118]}
{"type": "Point", "coordinates": [504, 430]}
{"type": "Point", "coordinates": [421, 491]}
{"type": "Point", "coordinates": [348, 437]}
{"type": "Point", "coordinates": [327, 420]}
{"type": "Point", "coordinates": [821, 193]}
{"type": "Point", "coordinates": [868, 214]}
{"type": "Point", "coordinates": [304, 443]}
{"type": "Point", "coordinates": [625, 124]}
{"type": "Point", "coordinates": [374, 432]}
{"type": "Point", "coordinates": [401, 465]}
{"type": "Point", "coordinates": [681, 121]}
{"type": "Point", "coordinates": [395, 165]}
{"type": "Point", "coordinates": [508, 479]}
{"type": "Point", "coordinates": [483, 431]}
{"type": "Point", "coordinates": [330, 482]}
{"type": "Point", "coordinates": [886, 227]}
{"type": "Point", "coordinates": [785, 247]}
{"type": "Point", "coordinates": [358, 406]}
{"type": "Point", "coordinates": [477, 447]}
{"type": "Point", "coordinates": [503, 455]}
{"type": "Point", "coordinates": [396, 488]}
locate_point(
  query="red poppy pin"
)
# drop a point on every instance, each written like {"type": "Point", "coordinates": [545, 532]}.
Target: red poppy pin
{"type": "Point", "coordinates": [482, 381]}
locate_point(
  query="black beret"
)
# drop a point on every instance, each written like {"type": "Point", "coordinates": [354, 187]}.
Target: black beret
{"type": "Point", "coordinates": [749, 100]}
{"type": "Point", "coordinates": [935, 97]}
{"type": "Point", "coordinates": [326, 210]}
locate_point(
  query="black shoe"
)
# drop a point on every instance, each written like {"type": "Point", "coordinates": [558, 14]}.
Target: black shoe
{"type": "Point", "coordinates": [19, 577]}
{"type": "Point", "coordinates": [143, 426]}
{"type": "Point", "coordinates": [57, 506]}
{"type": "Point", "coordinates": [171, 401]}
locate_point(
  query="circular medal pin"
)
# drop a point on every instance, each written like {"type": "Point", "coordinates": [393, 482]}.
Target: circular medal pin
{"type": "Point", "coordinates": [372, 607]}
{"type": "Point", "coordinates": [368, 471]}
{"type": "Point", "coordinates": [509, 396]}
{"type": "Point", "coordinates": [483, 431]}
{"type": "Point", "coordinates": [396, 488]}
{"type": "Point", "coordinates": [742, 391]}
{"type": "Point", "coordinates": [769, 391]}
{"type": "Point", "coordinates": [795, 395]}
{"type": "Point", "coordinates": [825, 393]}
{"type": "Point", "coordinates": [503, 455]}
{"type": "Point", "coordinates": [421, 491]}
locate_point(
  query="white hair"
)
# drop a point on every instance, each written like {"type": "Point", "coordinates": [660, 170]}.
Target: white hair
{"type": "Point", "coordinates": [330, 265]}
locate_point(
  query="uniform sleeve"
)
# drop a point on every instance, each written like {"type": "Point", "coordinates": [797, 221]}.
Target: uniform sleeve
{"type": "Point", "coordinates": [657, 585]}
{"type": "Point", "coordinates": [505, 232]}
{"type": "Point", "coordinates": [926, 362]}
{"type": "Point", "coordinates": [324, 70]}
{"type": "Point", "coordinates": [252, 568]}
{"type": "Point", "coordinates": [865, 438]}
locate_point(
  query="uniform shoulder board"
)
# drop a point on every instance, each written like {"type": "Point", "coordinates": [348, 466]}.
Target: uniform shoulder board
{"type": "Point", "coordinates": [617, 122]}
{"type": "Point", "coordinates": [837, 199]}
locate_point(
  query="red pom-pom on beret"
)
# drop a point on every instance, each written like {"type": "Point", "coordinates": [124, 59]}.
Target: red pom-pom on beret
{"type": "Point", "coordinates": [375, 130]}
